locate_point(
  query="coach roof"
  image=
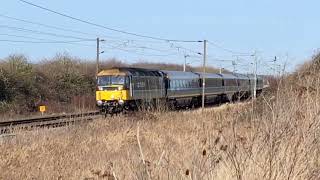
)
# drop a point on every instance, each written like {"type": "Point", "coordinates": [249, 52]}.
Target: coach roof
{"type": "Point", "coordinates": [129, 71]}
{"type": "Point", "coordinates": [180, 75]}
{"type": "Point", "coordinates": [228, 76]}
{"type": "Point", "coordinates": [210, 75]}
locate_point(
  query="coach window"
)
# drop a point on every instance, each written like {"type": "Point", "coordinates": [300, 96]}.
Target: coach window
{"type": "Point", "coordinates": [176, 84]}
{"type": "Point", "coordinates": [184, 84]}
{"type": "Point", "coordinates": [172, 84]}
{"type": "Point", "coordinates": [213, 83]}
{"type": "Point", "coordinates": [151, 84]}
{"type": "Point", "coordinates": [188, 84]}
{"type": "Point", "coordinates": [195, 83]}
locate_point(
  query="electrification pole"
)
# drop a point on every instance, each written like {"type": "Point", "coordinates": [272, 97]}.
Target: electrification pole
{"type": "Point", "coordinates": [204, 72]}
{"type": "Point", "coordinates": [98, 55]}
{"type": "Point", "coordinates": [255, 75]}
{"type": "Point", "coordinates": [274, 61]}
{"type": "Point", "coordinates": [234, 66]}
{"type": "Point", "coordinates": [185, 63]}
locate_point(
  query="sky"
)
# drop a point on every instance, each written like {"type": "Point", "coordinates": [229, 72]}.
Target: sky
{"type": "Point", "coordinates": [284, 28]}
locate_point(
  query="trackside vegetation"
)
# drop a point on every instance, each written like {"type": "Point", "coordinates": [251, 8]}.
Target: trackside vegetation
{"type": "Point", "coordinates": [274, 137]}
{"type": "Point", "coordinates": [63, 83]}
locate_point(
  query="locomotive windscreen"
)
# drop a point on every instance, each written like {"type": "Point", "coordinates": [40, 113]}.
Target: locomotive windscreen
{"type": "Point", "coordinates": [109, 80]}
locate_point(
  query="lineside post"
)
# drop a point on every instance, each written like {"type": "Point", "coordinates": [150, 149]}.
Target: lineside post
{"type": "Point", "coordinates": [98, 54]}
{"type": "Point", "coordinates": [204, 72]}
{"type": "Point", "coordinates": [255, 75]}
{"type": "Point", "coordinates": [274, 66]}
{"type": "Point", "coordinates": [185, 62]}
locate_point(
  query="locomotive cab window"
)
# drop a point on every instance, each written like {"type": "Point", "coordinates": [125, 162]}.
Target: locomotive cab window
{"type": "Point", "coordinates": [112, 80]}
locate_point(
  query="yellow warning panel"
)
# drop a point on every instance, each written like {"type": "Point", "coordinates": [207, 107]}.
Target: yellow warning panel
{"type": "Point", "coordinates": [42, 108]}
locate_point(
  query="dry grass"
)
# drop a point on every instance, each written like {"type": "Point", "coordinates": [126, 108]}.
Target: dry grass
{"type": "Point", "coordinates": [275, 137]}
{"type": "Point", "coordinates": [279, 140]}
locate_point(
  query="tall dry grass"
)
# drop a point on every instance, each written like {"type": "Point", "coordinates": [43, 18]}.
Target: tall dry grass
{"type": "Point", "coordinates": [275, 137]}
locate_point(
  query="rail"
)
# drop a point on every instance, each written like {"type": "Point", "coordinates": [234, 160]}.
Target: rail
{"type": "Point", "coordinates": [55, 120]}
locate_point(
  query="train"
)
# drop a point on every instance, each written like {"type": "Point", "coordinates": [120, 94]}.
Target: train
{"type": "Point", "coordinates": [125, 88]}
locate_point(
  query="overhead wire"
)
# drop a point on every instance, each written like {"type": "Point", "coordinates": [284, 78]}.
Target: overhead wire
{"type": "Point", "coordinates": [111, 29]}
{"type": "Point", "coordinates": [125, 46]}
{"type": "Point", "coordinates": [186, 49]}
{"type": "Point", "coordinates": [38, 42]}
{"type": "Point", "coordinates": [138, 46]}
{"type": "Point", "coordinates": [40, 39]}
{"type": "Point", "coordinates": [48, 41]}
{"type": "Point", "coordinates": [178, 47]}
{"type": "Point", "coordinates": [44, 25]}
{"type": "Point", "coordinates": [44, 33]}
{"type": "Point", "coordinates": [104, 27]}
{"type": "Point", "coordinates": [84, 33]}
{"type": "Point", "coordinates": [74, 31]}
{"type": "Point", "coordinates": [138, 53]}
{"type": "Point", "coordinates": [19, 36]}
{"type": "Point", "coordinates": [227, 50]}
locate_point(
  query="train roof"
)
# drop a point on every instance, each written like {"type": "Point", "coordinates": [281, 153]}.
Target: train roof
{"type": "Point", "coordinates": [251, 76]}
{"type": "Point", "coordinates": [114, 71]}
{"type": "Point", "coordinates": [180, 75]}
{"type": "Point", "coordinates": [210, 75]}
{"type": "Point", "coordinates": [242, 76]}
{"type": "Point", "coordinates": [228, 76]}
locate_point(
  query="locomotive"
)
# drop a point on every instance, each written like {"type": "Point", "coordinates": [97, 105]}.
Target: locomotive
{"type": "Point", "coordinates": [125, 88]}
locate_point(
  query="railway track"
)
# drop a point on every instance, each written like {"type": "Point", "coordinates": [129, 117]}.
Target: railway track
{"type": "Point", "coordinates": [46, 121]}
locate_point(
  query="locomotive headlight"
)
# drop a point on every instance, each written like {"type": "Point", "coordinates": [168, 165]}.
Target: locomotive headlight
{"type": "Point", "coordinates": [120, 88]}
{"type": "Point", "coordinates": [121, 102]}
{"type": "Point", "coordinates": [99, 102]}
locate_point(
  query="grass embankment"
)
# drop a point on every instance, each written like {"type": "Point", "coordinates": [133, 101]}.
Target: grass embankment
{"type": "Point", "coordinates": [275, 137]}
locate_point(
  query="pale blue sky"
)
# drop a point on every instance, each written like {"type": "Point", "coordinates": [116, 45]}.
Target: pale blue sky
{"type": "Point", "coordinates": [274, 28]}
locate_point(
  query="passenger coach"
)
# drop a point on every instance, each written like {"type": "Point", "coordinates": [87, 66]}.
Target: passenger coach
{"type": "Point", "coordinates": [121, 89]}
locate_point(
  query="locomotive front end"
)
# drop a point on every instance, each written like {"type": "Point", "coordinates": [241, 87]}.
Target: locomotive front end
{"type": "Point", "coordinates": [112, 91]}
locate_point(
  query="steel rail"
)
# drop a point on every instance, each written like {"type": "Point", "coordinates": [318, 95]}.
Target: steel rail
{"type": "Point", "coordinates": [58, 120]}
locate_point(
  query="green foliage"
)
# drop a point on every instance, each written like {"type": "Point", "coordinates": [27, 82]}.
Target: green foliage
{"type": "Point", "coordinates": [18, 82]}
{"type": "Point", "coordinates": [4, 92]}
{"type": "Point", "coordinates": [27, 85]}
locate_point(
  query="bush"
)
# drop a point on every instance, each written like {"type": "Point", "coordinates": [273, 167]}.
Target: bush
{"type": "Point", "coordinates": [19, 83]}
{"type": "Point", "coordinates": [59, 82]}
{"type": "Point", "coordinates": [27, 85]}
{"type": "Point", "coordinates": [64, 78]}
